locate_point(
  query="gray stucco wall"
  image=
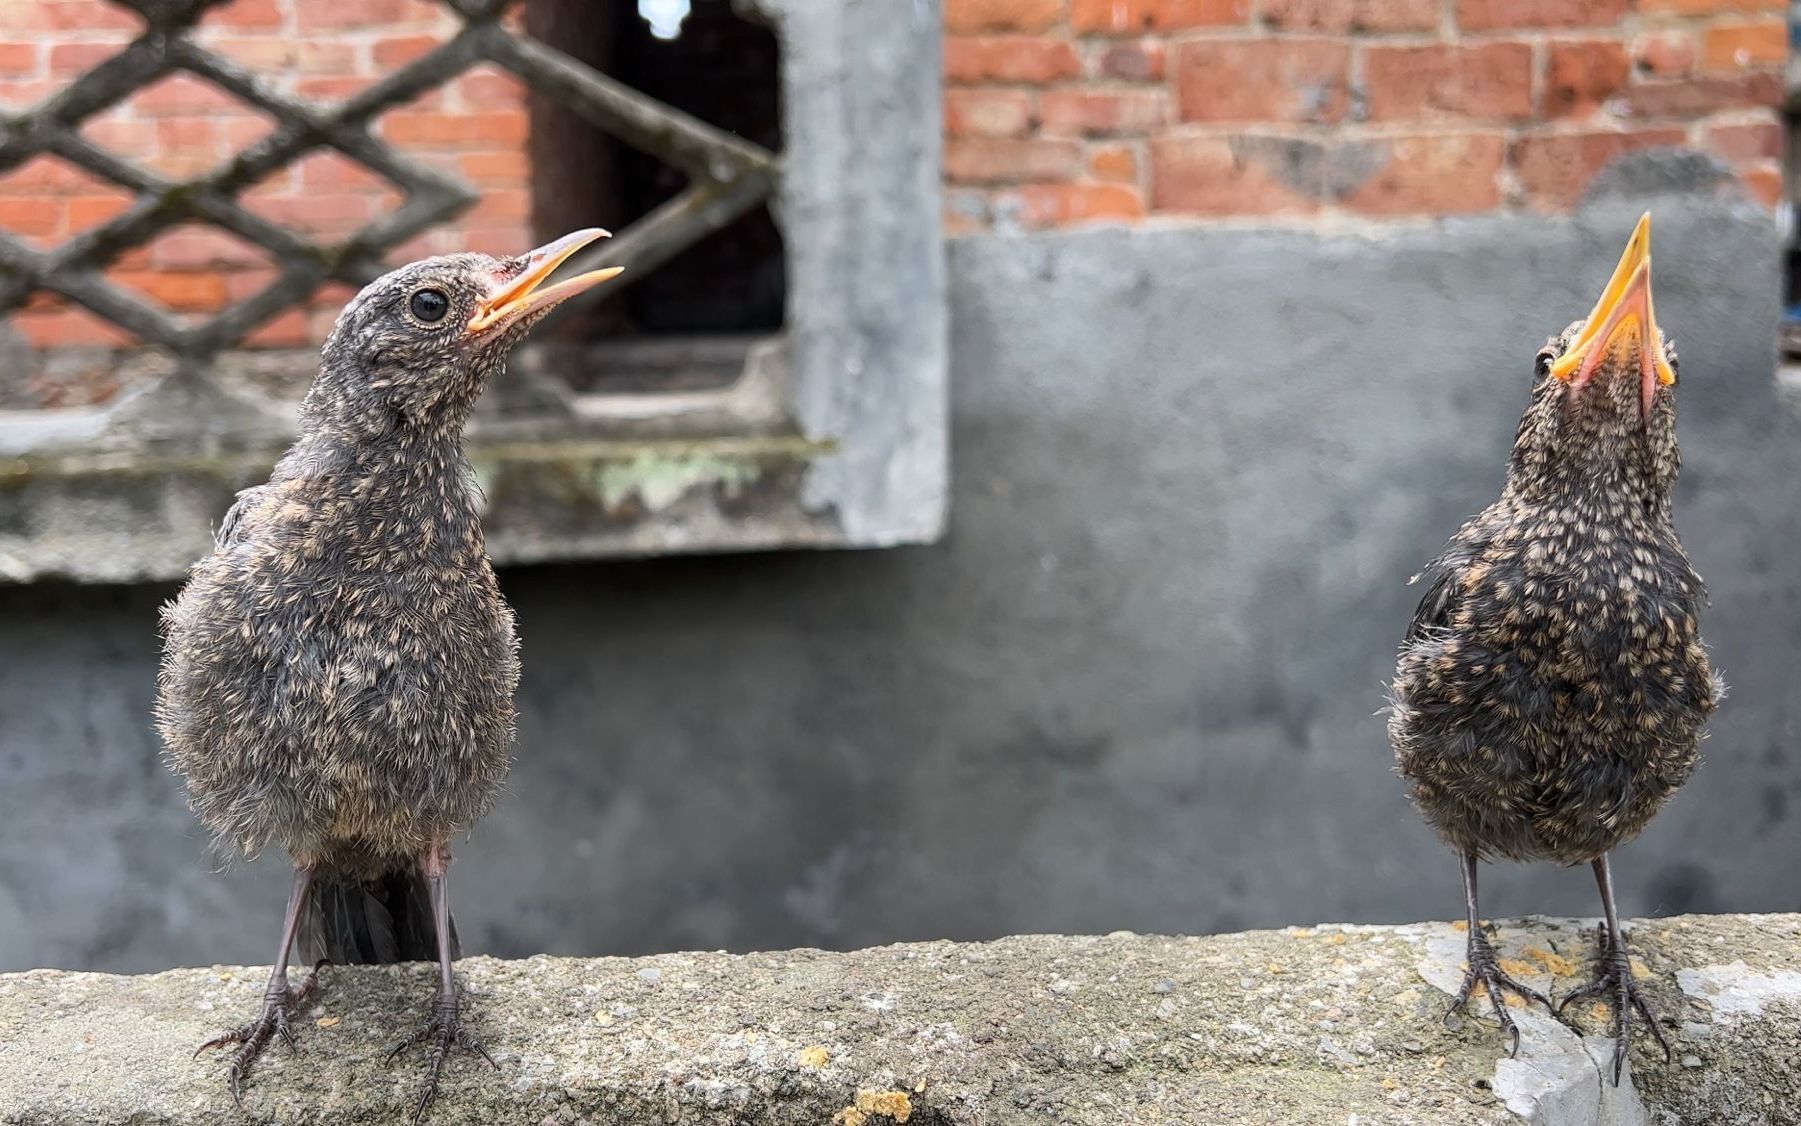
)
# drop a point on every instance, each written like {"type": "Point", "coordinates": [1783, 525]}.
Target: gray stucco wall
{"type": "Point", "coordinates": [1134, 688]}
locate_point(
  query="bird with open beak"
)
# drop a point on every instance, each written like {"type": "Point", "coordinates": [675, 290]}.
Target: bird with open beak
{"type": "Point", "coordinates": [339, 672]}
{"type": "Point", "coordinates": [1552, 689]}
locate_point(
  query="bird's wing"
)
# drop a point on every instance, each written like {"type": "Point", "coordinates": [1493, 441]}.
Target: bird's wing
{"type": "Point", "coordinates": [231, 527]}
{"type": "Point", "coordinates": [1444, 575]}
{"type": "Point", "coordinates": [1434, 610]}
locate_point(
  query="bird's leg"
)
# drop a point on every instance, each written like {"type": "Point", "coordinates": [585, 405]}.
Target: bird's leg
{"type": "Point", "coordinates": [1485, 967]}
{"type": "Point", "coordinates": [279, 999]}
{"type": "Point", "coordinates": [1614, 979]}
{"type": "Point", "coordinates": [445, 1031]}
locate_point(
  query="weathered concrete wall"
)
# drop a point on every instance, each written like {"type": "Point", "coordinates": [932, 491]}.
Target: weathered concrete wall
{"type": "Point", "coordinates": [1136, 687]}
{"type": "Point", "coordinates": [1330, 1024]}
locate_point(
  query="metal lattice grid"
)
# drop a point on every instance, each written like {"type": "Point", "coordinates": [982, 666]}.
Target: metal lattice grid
{"type": "Point", "coordinates": [727, 176]}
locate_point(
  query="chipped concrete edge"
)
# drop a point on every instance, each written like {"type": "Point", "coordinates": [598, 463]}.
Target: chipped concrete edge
{"type": "Point", "coordinates": [1327, 1023]}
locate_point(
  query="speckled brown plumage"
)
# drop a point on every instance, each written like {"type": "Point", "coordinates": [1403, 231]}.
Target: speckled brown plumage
{"type": "Point", "coordinates": [339, 672]}
{"type": "Point", "coordinates": [1552, 688]}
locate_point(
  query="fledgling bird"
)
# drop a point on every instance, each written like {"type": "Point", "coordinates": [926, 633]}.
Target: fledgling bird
{"type": "Point", "coordinates": [1552, 689]}
{"type": "Point", "coordinates": [338, 675]}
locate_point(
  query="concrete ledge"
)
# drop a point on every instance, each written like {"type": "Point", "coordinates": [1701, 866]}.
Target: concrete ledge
{"type": "Point", "coordinates": [1330, 1024]}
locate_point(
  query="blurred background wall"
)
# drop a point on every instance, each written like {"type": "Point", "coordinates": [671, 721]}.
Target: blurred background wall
{"type": "Point", "coordinates": [1231, 357]}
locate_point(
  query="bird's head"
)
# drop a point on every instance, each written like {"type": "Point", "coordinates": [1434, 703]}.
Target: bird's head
{"type": "Point", "coordinates": [419, 344]}
{"type": "Point", "coordinates": [1604, 400]}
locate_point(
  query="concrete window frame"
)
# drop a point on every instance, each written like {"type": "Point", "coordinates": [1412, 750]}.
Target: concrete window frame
{"type": "Point", "coordinates": [834, 435]}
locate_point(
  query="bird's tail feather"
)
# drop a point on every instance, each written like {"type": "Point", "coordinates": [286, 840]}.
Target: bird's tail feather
{"type": "Point", "coordinates": [354, 922]}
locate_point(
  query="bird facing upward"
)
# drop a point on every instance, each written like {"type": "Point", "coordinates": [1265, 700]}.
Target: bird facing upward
{"type": "Point", "coordinates": [1552, 688]}
{"type": "Point", "coordinates": [338, 674]}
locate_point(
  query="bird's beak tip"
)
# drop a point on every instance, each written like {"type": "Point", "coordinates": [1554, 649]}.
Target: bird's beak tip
{"type": "Point", "coordinates": [521, 296]}
{"type": "Point", "coordinates": [1625, 304]}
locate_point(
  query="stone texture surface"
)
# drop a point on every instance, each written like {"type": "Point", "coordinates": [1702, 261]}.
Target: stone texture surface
{"type": "Point", "coordinates": [1136, 687]}
{"type": "Point", "coordinates": [1327, 1024]}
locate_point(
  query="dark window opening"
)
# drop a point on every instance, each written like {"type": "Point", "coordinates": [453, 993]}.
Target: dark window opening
{"type": "Point", "coordinates": [711, 63]}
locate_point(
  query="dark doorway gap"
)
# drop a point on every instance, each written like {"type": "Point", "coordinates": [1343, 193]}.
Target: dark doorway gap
{"type": "Point", "coordinates": [722, 69]}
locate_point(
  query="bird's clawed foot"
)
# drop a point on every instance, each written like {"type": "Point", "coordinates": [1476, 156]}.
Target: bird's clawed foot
{"type": "Point", "coordinates": [1485, 969]}
{"type": "Point", "coordinates": [1615, 983]}
{"type": "Point", "coordinates": [279, 1003]}
{"type": "Point", "coordinates": [446, 1031]}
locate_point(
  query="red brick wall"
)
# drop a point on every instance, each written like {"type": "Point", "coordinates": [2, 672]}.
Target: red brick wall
{"type": "Point", "coordinates": [1060, 112]}
{"type": "Point", "coordinates": [1056, 112]}
{"type": "Point", "coordinates": [183, 126]}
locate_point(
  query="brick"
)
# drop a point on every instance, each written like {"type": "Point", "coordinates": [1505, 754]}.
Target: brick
{"type": "Point", "coordinates": [1444, 174]}
{"type": "Point", "coordinates": [332, 89]}
{"type": "Point", "coordinates": [86, 211]}
{"type": "Point", "coordinates": [67, 328]}
{"type": "Point", "coordinates": [243, 130]}
{"type": "Point", "coordinates": [1214, 175]}
{"type": "Point", "coordinates": [267, 53]}
{"type": "Point", "coordinates": [186, 145]}
{"type": "Point", "coordinates": [454, 130]}
{"type": "Point", "coordinates": [248, 281]}
{"type": "Point", "coordinates": [1135, 17]}
{"type": "Point", "coordinates": [317, 212]}
{"type": "Point", "coordinates": [1002, 160]}
{"type": "Point", "coordinates": [193, 246]}
{"type": "Point", "coordinates": [398, 50]}
{"type": "Point", "coordinates": [1100, 113]}
{"type": "Point", "coordinates": [1352, 15]}
{"type": "Point", "coordinates": [70, 15]}
{"type": "Point", "coordinates": [1114, 164]}
{"type": "Point", "coordinates": [327, 56]}
{"type": "Point", "coordinates": [1009, 58]}
{"type": "Point", "coordinates": [19, 93]}
{"type": "Point", "coordinates": [245, 15]}
{"type": "Point", "coordinates": [336, 172]}
{"type": "Point", "coordinates": [333, 15]}
{"type": "Point", "coordinates": [1263, 80]}
{"type": "Point", "coordinates": [1741, 141]}
{"type": "Point", "coordinates": [182, 291]}
{"type": "Point", "coordinates": [1695, 97]}
{"type": "Point", "coordinates": [499, 241]}
{"type": "Point", "coordinates": [1732, 47]}
{"type": "Point", "coordinates": [1493, 15]}
{"type": "Point", "coordinates": [120, 135]}
{"type": "Point", "coordinates": [1068, 205]}
{"type": "Point", "coordinates": [45, 175]}
{"type": "Point", "coordinates": [962, 16]}
{"type": "Point", "coordinates": [1580, 75]}
{"type": "Point", "coordinates": [18, 60]}
{"type": "Point", "coordinates": [987, 113]}
{"type": "Point", "coordinates": [184, 94]}
{"type": "Point", "coordinates": [1142, 61]}
{"type": "Point", "coordinates": [488, 169]}
{"type": "Point", "coordinates": [290, 329]}
{"type": "Point", "coordinates": [489, 90]}
{"type": "Point", "coordinates": [282, 181]}
{"type": "Point", "coordinates": [1486, 82]}
{"type": "Point", "coordinates": [1667, 54]}
{"type": "Point", "coordinates": [1764, 182]}
{"type": "Point", "coordinates": [1554, 169]}
{"type": "Point", "coordinates": [500, 205]}
{"type": "Point", "coordinates": [70, 59]}
{"type": "Point", "coordinates": [1709, 7]}
{"type": "Point", "coordinates": [29, 215]}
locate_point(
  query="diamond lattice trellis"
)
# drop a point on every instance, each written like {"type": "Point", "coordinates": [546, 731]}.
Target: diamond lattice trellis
{"type": "Point", "coordinates": [727, 177]}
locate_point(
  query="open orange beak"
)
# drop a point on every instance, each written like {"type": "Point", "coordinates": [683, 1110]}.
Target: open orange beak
{"type": "Point", "coordinates": [522, 297]}
{"type": "Point", "coordinates": [1622, 319]}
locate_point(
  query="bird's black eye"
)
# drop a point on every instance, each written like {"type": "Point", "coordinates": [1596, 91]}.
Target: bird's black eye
{"type": "Point", "coordinates": [429, 305]}
{"type": "Point", "coordinates": [1541, 367]}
